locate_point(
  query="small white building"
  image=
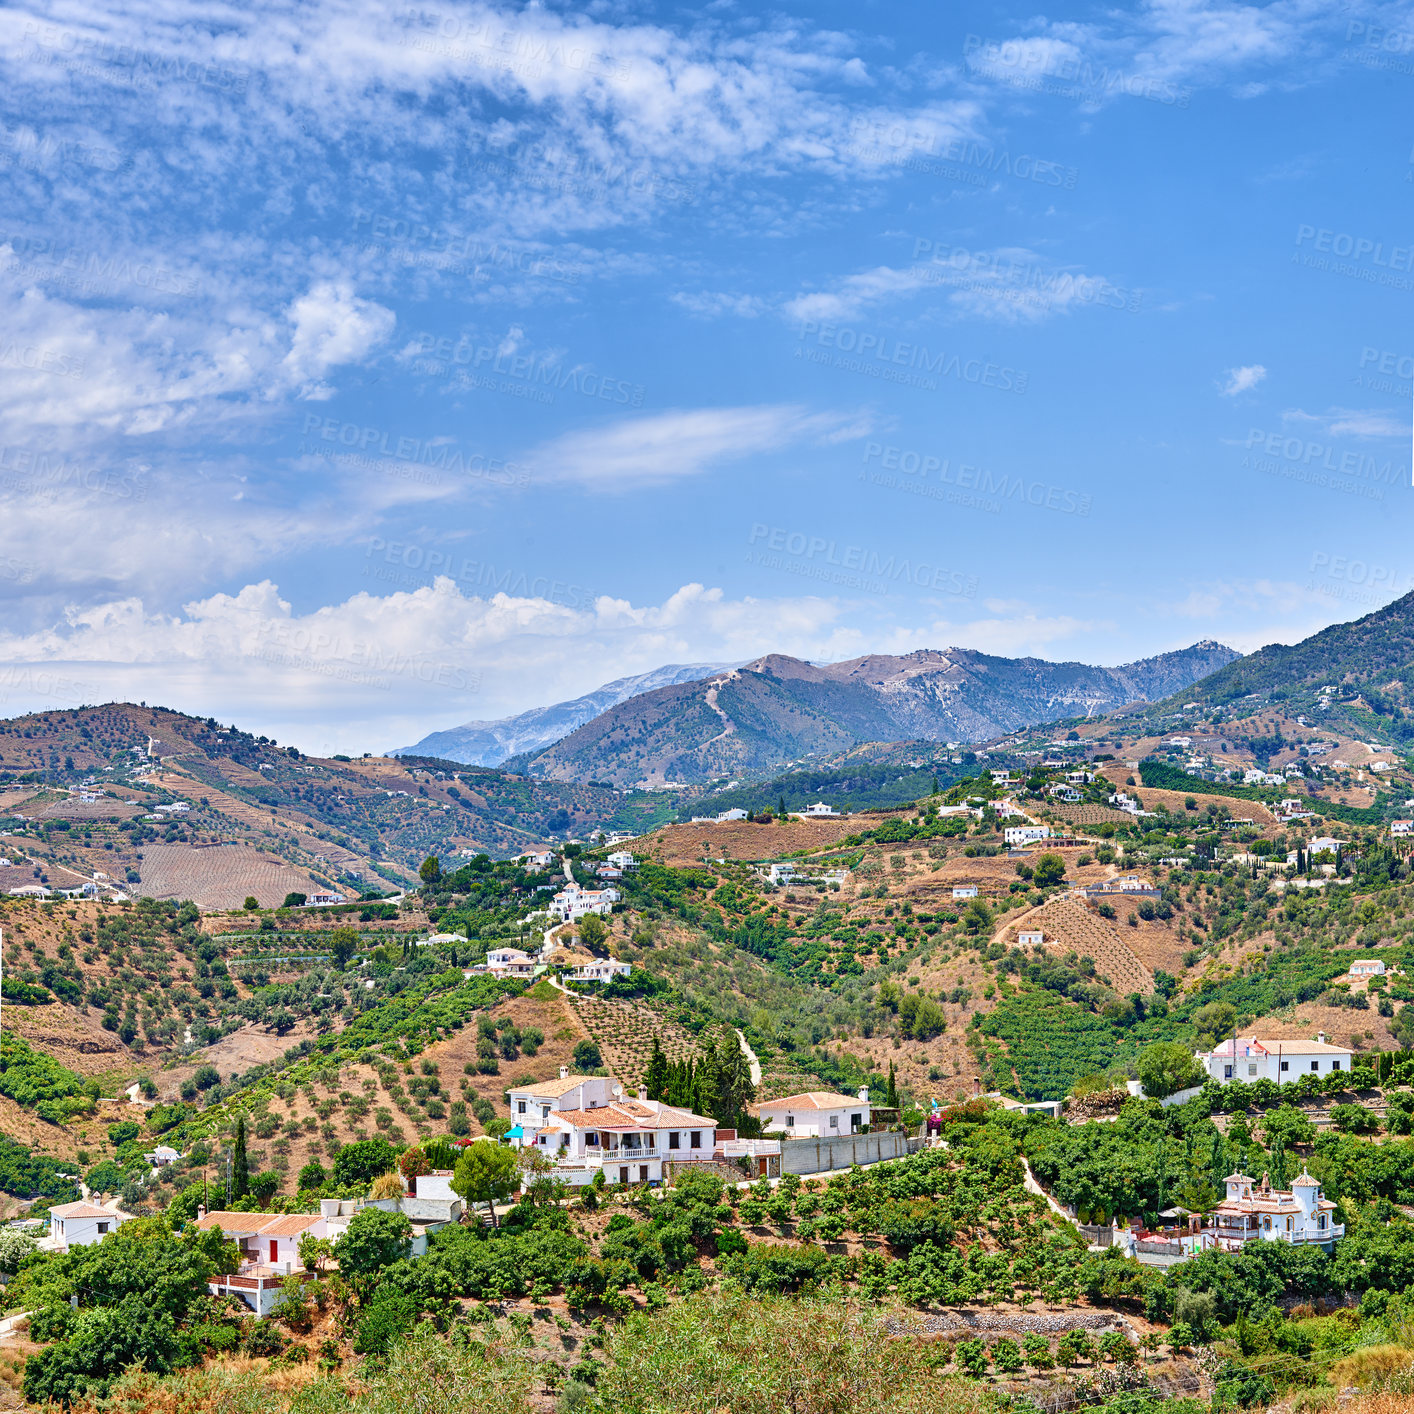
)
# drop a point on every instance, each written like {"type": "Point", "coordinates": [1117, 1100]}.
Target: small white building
{"type": "Point", "coordinates": [816, 1114]}
{"type": "Point", "coordinates": [1401, 827]}
{"type": "Point", "coordinates": [1064, 793]}
{"type": "Point", "coordinates": [1367, 967]}
{"type": "Point", "coordinates": [1283, 1062]}
{"type": "Point", "coordinates": [964, 891]}
{"type": "Point", "coordinates": [1026, 834]}
{"type": "Point", "coordinates": [622, 860]}
{"type": "Point", "coordinates": [780, 873]}
{"type": "Point", "coordinates": [325, 900]}
{"type": "Point", "coordinates": [81, 1225]}
{"type": "Point", "coordinates": [819, 811]}
{"type": "Point", "coordinates": [1030, 938]}
{"type": "Point", "coordinates": [536, 859]}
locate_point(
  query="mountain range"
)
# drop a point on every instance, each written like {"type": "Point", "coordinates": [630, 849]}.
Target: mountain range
{"type": "Point", "coordinates": [778, 710]}
{"type": "Point", "coordinates": [494, 742]}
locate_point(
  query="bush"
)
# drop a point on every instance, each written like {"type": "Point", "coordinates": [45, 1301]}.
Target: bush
{"type": "Point", "coordinates": [363, 1161]}
{"type": "Point", "coordinates": [587, 1057]}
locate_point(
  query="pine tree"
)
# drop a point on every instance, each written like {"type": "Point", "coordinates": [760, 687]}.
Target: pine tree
{"type": "Point", "coordinates": [891, 1093]}
{"type": "Point", "coordinates": [240, 1166]}
{"type": "Point", "coordinates": [656, 1077]}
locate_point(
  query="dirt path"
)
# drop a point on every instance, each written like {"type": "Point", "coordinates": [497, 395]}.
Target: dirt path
{"type": "Point", "coordinates": [750, 1056]}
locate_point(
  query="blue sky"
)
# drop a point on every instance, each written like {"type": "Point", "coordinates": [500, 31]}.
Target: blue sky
{"type": "Point", "coordinates": [365, 369]}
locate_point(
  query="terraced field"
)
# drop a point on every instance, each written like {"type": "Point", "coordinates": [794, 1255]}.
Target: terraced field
{"type": "Point", "coordinates": [624, 1032]}
{"type": "Point", "coordinates": [220, 876]}
{"type": "Point", "coordinates": [1069, 924]}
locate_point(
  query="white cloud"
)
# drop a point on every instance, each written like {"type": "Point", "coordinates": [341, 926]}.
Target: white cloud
{"type": "Point", "coordinates": [1008, 284]}
{"type": "Point", "coordinates": [1351, 422]}
{"type": "Point", "coordinates": [669, 446]}
{"type": "Point", "coordinates": [1242, 380]}
{"type": "Point", "coordinates": [389, 669]}
{"type": "Point", "coordinates": [332, 326]}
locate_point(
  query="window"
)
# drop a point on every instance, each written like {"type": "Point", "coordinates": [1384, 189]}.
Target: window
{"type": "Point", "coordinates": [1227, 1072]}
{"type": "Point", "coordinates": [1286, 1065]}
{"type": "Point", "coordinates": [790, 1121]}
{"type": "Point", "coordinates": [696, 1141]}
{"type": "Point", "coordinates": [1335, 1065]}
{"type": "Point", "coordinates": [834, 1121]}
{"type": "Point", "coordinates": [674, 1140]}
{"type": "Point", "coordinates": [102, 1228]}
{"type": "Point", "coordinates": [544, 1111]}
{"type": "Point", "coordinates": [1321, 1222]}
{"type": "Point", "coordinates": [1315, 1065]}
{"type": "Point", "coordinates": [855, 1121]}
{"type": "Point", "coordinates": [1251, 1067]}
{"type": "Point", "coordinates": [520, 1107]}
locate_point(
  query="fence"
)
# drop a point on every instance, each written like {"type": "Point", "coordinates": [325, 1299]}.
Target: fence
{"type": "Point", "coordinates": [822, 1155]}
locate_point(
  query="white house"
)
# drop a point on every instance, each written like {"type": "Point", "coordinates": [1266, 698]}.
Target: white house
{"type": "Point", "coordinates": [964, 891]}
{"type": "Point", "coordinates": [1026, 834]}
{"type": "Point", "coordinates": [1253, 1212]}
{"type": "Point", "coordinates": [1030, 938]}
{"type": "Point", "coordinates": [780, 873]}
{"type": "Point", "coordinates": [31, 891]}
{"type": "Point", "coordinates": [81, 1225]}
{"type": "Point", "coordinates": [1130, 886]}
{"type": "Point", "coordinates": [819, 811]}
{"type": "Point", "coordinates": [601, 969]}
{"type": "Point", "coordinates": [584, 1124]}
{"type": "Point", "coordinates": [1367, 967]}
{"type": "Point", "coordinates": [163, 1155]}
{"type": "Point", "coordinates": [1401, 827]}
{"type": "Point", "coordinates": [816, 1114]}
{"type": "Point", "coordinates": [573, 902]}
{"type": "Point", "coordinates": [269, 1247]}
{"type": "Point", "coordinates": [541, 859]}
{"type": "Point", "coordinates": [325, 900]}
{"type": "Point", "coordinates": [622, 859]}
{"type": "Point", "coordinates": [1065, 793]}
{"type": "Point", "coordinates": [1324, 844]}
{"type": "Point", "coordinates": [509, 962]}
{"type": "Point", "coordinates": [1283, 1062]}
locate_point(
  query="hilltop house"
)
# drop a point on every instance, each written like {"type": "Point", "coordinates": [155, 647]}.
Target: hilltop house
{"type": "Point", "coordinates": [819, 811]}
{"type": "Point", "coordinates": [325, 900]}
{"type": "Point", "coordinates": [964, 891]}
{"type": "Point", "coordinates": [1030, 938]}
{"type": "Point", "coordinates": [535, 859]}
{"type": "Point", "coordinates": [1254, 1212]}
{"type": "Point", "coordinates": [81, 1225]}
{"type": "Point", "coordinates": [815, 1114]}
{"type": "Point", "coordinates": [600, 969]}
{"type": "Point", "coordinates": [1130, 886]}
{"type": "Point", "coordinates": [573, 902]}
{"type": "Point", "coordinates": [623, 860]}
{"type": "Point", "coordinates": [269, 1247]}
{"type": "Point", "coordinates": [1281, 1061]}
{"type": "Point", "coordinates": [1367, 967]}
{"type": "Point", "coordinates": [509, 962]}
{"type": "Point", "coordinates": [780, 873]}
{"type": "Point", "coordinates": [584, 1124]}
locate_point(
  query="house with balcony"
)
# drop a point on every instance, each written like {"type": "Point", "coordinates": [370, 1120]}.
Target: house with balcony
{"type": "Point", "coordinates": [573, 902]}
{"type": "Point", "coordinates": [510, 962]}
{"type": "Point", "coordinates": [1253, 1212]}
{"type": "Point", "coordinates": [269, 1248]}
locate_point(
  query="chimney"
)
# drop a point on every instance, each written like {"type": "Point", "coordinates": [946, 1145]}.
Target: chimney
{"type": "Point", "coordinates": [1321, 1037]}
{"type": "Point", "coordinates": [643, 1093]}
{"type": "Point", "coordinates": [863, 1094]}
{"type": "Point", "coordinates": [200, 1212]}
{"type": "Point", "coordinates": [564, 1072]}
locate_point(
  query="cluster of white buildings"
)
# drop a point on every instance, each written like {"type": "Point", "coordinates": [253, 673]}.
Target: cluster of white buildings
{"type": "Point", "coordinates": [573, 902]}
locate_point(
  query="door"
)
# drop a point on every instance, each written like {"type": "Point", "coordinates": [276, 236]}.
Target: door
{"type": "Point", "coordinates": [623, 1173]}
{"type": "Point", "coordinates": [274, 1251]}
{"type": "Point", "coordinates": [643, 1178]}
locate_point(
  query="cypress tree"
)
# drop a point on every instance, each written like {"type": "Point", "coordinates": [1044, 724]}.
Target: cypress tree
{"type": "Point", "coordinates": [891, 1094]}
{"type": "Point", "coordinates": [656, 1077]}
{"type": "Point", "coordinates": [240, 1166]}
